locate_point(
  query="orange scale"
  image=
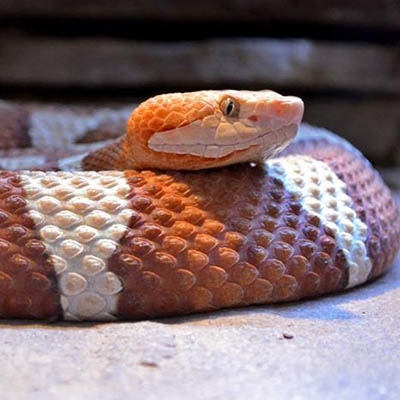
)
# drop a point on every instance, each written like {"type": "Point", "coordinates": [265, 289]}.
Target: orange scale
{"type": "Point", "coordinates": [196, 260]}
{"type": "Point", "coordinates": [244, 274]}
{"type": "Point", "coordinates": [174, 245]}
{"type": "Point", "coordinates": [147, 114]}
{"type": "Point", "coordinates": [164, 303]}
{"type": "Point", "coordinates": [258, 292]}
{"type": "Point", "coordinates": [272, 270]}
{"type": "Point", "coordinates": [298, 266]}
{"type": "Point", "coordinates": [213, 277]}
{"type": "Point", "coordinates": [285, 288]}
{"type": "Point", "coordinates": [311, 284]}
{"type": "Point", "coordinates": [174, 119]}
{"type": "Point", "coordinates": [161, 112]}
{"type": "Point", "coordinates": [227, 258]}
{"type": "Point", "coordinates": [183, 280]}
{"type": "Point", "coordinates": [197, 299]}
{"type": "Point", "coordinates": [256, 254]}
{"type": "Point", "coordinates": [230, 294]}
{"type": "Point", "coordinates": [332, 279]}
{"type": "Point", "coordinates": [155, 123]}
{"type": "Point", "coordinates": [6, 281]}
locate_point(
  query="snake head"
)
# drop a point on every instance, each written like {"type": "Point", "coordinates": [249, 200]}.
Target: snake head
{"type": "Point", "coordinates": [208, 129]}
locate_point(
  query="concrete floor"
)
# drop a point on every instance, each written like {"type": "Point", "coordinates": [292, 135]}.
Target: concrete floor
{"type": "Point", "coordinates": [345, 346]}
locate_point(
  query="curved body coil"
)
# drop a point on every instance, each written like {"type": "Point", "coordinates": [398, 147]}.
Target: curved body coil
{"type": "Point", "coordinates": [137, 244]}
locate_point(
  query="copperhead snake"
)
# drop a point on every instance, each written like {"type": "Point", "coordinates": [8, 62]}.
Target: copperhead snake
{"type": "Point", "coordinates": [209, 201]}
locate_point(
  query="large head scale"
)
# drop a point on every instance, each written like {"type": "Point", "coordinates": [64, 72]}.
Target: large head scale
{"type": "Point", "coordinates": [207, 129]}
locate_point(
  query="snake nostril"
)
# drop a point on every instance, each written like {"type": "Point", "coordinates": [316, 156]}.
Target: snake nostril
{"type": "Point", "coordinates": [253, 118]}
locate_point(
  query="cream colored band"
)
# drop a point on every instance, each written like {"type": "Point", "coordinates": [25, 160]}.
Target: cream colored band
{"type": "Point", "coordinates": [322, 193]}
{"type": "Point", "coordinates": [81, 217]}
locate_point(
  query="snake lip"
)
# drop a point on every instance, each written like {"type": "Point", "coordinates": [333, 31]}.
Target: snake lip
{"type": "Point", "coordinates": [282, 138]}
{"type": "Point", "coordinates": [271, 139]}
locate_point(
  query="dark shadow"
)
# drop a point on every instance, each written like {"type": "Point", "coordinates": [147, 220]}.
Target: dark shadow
{"type": "Point", "coordinates": [25, 323]}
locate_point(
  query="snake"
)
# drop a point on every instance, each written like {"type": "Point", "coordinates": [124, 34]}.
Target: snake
{"type": "Point", "coordinates": [209, 200]}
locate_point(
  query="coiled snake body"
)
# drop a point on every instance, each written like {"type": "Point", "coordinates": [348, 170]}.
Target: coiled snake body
{"type": "Point", "coordinates": [134, 242]}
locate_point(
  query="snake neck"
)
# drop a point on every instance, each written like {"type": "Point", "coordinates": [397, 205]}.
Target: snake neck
{"type": "Point", "coordinates": [115, 156]}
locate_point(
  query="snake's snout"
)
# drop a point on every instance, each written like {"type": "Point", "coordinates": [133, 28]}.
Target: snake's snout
{"type": "Point", "coordinates": [278, 118]}
{"type": "Point", "coordinates": [294, 109]}
{"type": "Point", "coordinates": [284, 111]}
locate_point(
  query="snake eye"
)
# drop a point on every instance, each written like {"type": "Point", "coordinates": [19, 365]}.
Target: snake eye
{"type": "Point", "coordinates": [230, 107]}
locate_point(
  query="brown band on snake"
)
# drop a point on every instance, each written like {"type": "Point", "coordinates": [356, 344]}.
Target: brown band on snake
{"type": "Point", "coordinates": [56, 126]}
{"type": "Point", "coordinates": [28, 287]}
{"type": "Point", "coordinates": [192, 246]}
{"type": "Point", "coordinates": [49, 158]}
{"type": "Point", "coordinates": [14, 127]}
{"type": "Point", "coordinates": [106, 158]}
{"type": "Point", "coordinates": [373, 200]}
{"type": "Point", "coordinates": [104, 131]}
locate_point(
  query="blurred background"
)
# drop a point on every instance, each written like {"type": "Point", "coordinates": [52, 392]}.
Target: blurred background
{"type": "Point", "coordinates": [341, 56]}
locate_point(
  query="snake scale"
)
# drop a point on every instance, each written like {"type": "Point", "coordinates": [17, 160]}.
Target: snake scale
{"type": "Point", "coordinates": [212, 199]}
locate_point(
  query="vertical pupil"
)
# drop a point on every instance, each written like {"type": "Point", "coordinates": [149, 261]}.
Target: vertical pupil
{"type": "Point", "coordinates": [230, 107]}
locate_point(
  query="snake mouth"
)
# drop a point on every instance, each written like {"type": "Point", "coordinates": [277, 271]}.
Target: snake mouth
{"type": "Point", "coordinates": [266, 143]}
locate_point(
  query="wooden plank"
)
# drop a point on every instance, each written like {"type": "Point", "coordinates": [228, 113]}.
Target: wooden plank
{"type": "Point", "coordinates": [377, 13]}
{"type": "Point", "coordinates": [96, 63]}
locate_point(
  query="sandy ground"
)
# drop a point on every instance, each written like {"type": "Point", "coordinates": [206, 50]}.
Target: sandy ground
{"type": "Point", "coordinates": [345, 346]}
